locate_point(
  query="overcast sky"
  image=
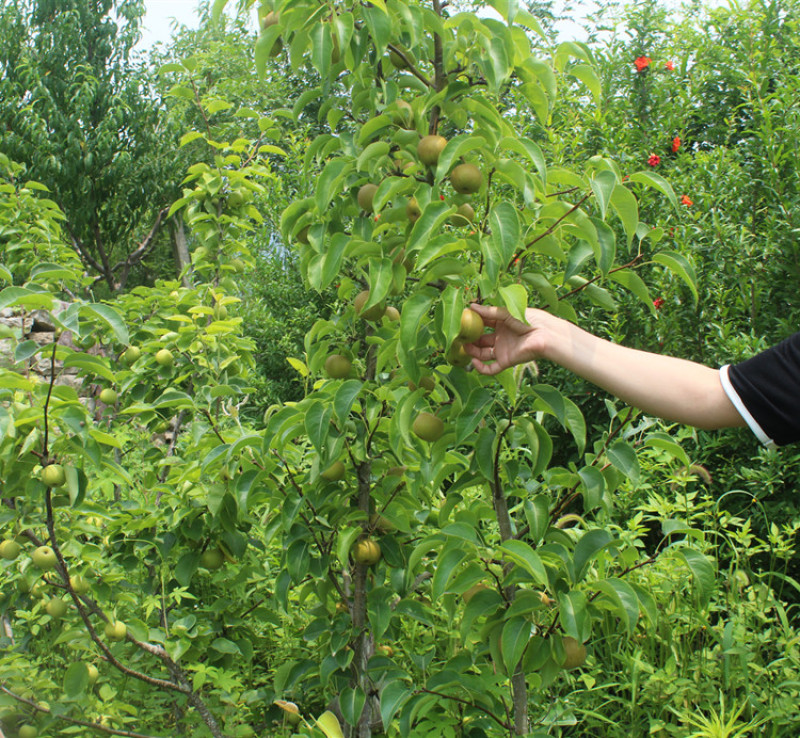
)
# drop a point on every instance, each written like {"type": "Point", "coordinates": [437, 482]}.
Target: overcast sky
{"type": "Point", "coordinates": [159, 17]}
{"type": "Point", "coordinates": [161, 14]}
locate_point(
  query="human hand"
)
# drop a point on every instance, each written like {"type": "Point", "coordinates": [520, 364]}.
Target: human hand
{"type": "Point", "coordinates": [511, 342]}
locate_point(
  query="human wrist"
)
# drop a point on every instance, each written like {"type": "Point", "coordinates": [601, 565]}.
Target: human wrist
{"type": "Point", "coordinates": [555, 336]}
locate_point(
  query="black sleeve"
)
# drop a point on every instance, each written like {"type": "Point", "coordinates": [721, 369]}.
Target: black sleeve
{"type": "Point", "coordinates": [766, 392]}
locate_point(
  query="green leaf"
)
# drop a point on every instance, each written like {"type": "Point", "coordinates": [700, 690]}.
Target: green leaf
{"type": "Point", "coordinates": [680, 266]}
{"type": "Point", "coordinates": [472, 414]}
{"type": "Point", "coordinates": [657, 182]}
{"type": "Point", "coordinates": [223, 645]}
{"type": "Point", "coordinates": [20, 296]}
{"type": "Point", "coordinates": [76, 680]}
{"type": "Point", "coordinates": [393, 696]}
{"type": "Point", "coordinates": [450, 307]}
{"type": "Point", "coordinates": [321, 48]}
{"type": "Point", "coordinates": [524, 556]}
{"type": "Point", "coordinates": [110, 317]}
{"type": "Point", "coordinates": [456, 147]}
{"type": "Point", "coordinates": [484, 452]}
{"type": "Point", "coordinates": [647, 603]}
{"type": "Point", "coordinates": [567, 50]}
{"type": "Point", "coordinates": [186, 567]}
{"type": "Point", "coordinates": [515, 298]}
{"type": "Point", "coordinates": [263, 49]}
{"type": "Point", "coordinates": [589, 545]}
{"type": "Point", "coordinates": [46, 271]}
{"type": "Point", "coordinates": [375, 150]}
{"type": "Point", "coordinates": [537, 515]}
{"type": "Point", "coordinates": [105, 439]}
{"type": "Point", "coordinates": [217, 8]}
{"type": "Point", "coordinates": [332, 260]}
{"type": "Point", "coordinates": [345, 542]}
{"type": "Point", "coordinates": [380, 280]}
{"type": "Point", "coordinates": [373, 126]}
{"type": "Point", "coordinates": [317, 423]}
{"type": "Point", "coordinates": [328, 723]}
{"type": "Point", "coordinates": [664, 443]}
{"type": "Point", "coordinates": [495, 63]}
{"type": "Point", "coordinates": [587, 75]}
{"type": "Point", "coordinates": [344, 398]}
{"type": "Point", "coordinates": [529, 149]}
{"type": "Point", "coordinates": [631, 281]}
{"type": "Point", "coordinates": [500, 247]}
{"type": "Point", "coordinates": [93, 364]}
{"type": "Point", "coordinates": [623, 457]}
{"type": "Point", "coordinates": [431, 220]}
{"type": "Point", "coordinates": [702, 570]}
{"type": "Point", "coordinates": [515, 637]}
{"type": "Point", "coordinates": [351, 701]}
{"type": "Point", "coordinates": [593, 486]}
{"type": "Point", "coordinates": [573, 614]}
{"type": "Point", "coordinates": [415, 309]}
{"type": "Point", "coordinates": [330, 181]}
{"type": "Point", "coordinates": [624, 204]}
{"type": "Point", "coordinates": [446, 566]}
{"type": "Point", "coordinates": [390, 188]}
{"type": "Point", "coordinates": [623, 600]}
{"type": "Point", "coordinates": [603, 185]}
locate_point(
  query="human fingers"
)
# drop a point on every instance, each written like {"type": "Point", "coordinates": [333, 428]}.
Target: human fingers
{"type": "Point", "coordinates": [487, 339]}
{"type": "Point", "coordinates": [487, 369]}
{"type": "Point", "coordinates": [494, 317]}
{"type": "Point", "coordinates": [489, 313]}
{"type": "Point", "coordinates": [483, 353]}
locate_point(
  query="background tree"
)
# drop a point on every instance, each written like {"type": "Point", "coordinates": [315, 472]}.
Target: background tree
{"type": "Point", "coordinates": [81, 114]}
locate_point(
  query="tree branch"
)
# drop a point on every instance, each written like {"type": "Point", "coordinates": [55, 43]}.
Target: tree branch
{"type": "Point", "coordinates": [73, 721]}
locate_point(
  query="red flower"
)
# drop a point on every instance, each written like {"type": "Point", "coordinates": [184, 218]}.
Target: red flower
{"type": "Point", "coordinates": [654, 160]}
{"type": "Point", "coordinates": [641, 63]}
{"type": "Point", "coordinates": [676, 144]}
{"type": "Point", "coordinates": [669, 66]}
{"type": "Point", "coordinates": [658, 303]}
{"type": "Point", "coordinates": [686, 201]}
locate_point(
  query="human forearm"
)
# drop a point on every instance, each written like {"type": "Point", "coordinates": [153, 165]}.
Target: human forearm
{"type": "Point", "coordinates": [664, 386]}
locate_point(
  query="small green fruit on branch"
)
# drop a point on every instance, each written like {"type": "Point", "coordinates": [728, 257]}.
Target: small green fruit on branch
{"type": "Point", "coordinates": [466, 178]}
{"type": "Point", "coordinates": [337, 366]}
{"type": "Point", "coordinates": [366, 551]}
{"type": "Point", "coordinates": [428, 427]}
{"type": "Point", "coordinates": [471, 326]}
{"type": "Point", "coordinates": [372, 314]}
{"type": "Point", "coordinates": [366, 195]}
{"type": "Point", "coordinates": [430, 148]}
{"type": "Point", "coordinates": [53, 475]}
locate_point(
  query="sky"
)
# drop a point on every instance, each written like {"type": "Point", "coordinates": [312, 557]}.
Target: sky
{"type": "Point", "coordinates": [159, 16]}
